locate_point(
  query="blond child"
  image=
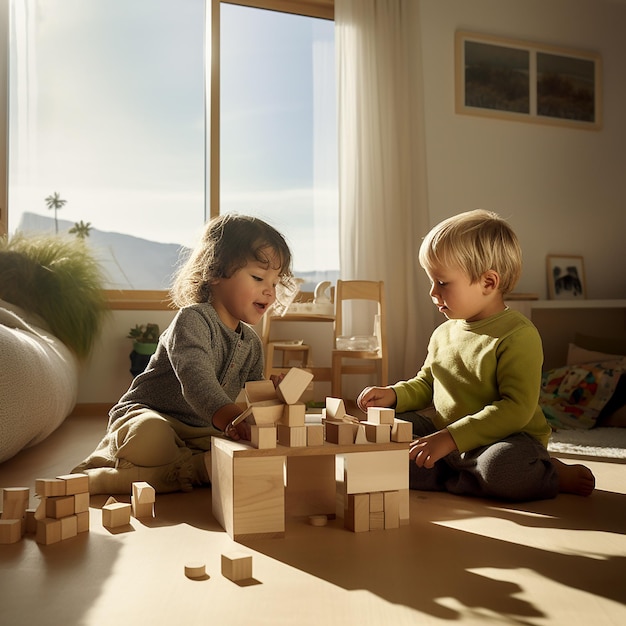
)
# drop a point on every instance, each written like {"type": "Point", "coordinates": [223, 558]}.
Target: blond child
{"type": "Point", "coordinates": [488, 436]}
{"type": "Point", "coordinates": [162, 426]}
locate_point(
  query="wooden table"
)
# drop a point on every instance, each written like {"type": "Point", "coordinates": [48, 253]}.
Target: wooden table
{"type": "Point", "coordinates": [253, 490]}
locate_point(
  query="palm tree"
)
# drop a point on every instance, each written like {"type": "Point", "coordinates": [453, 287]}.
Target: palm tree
{"type": "Point", "coordinates": [54, 202]}
{"type": "Point", "coordinates": [80, 229]}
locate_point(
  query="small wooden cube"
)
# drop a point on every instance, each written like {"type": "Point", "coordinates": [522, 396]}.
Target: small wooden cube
{"type": "Point", "coordinates": [14, 502]}
{"type": "Point", "coordinates": [392, 509]}
{"type": "Point", "coordinates": [293, 385]}
{"type": "Point", "coordinates": [69, 527]}
{"type": "Point", "coordinates": [377, 520]}
{"type": "Point", "coordinates": [237, 566]}
{"type": "Point", "coordinates": [48, 531]}
{"type": "Point", "coordinates": [31, 522]}
{"type": "Point", "coordinates": [59, 506]}
{"type": "Point", "coordinates": [292, 436]}
{"type": "Point", "coordinates": [377, 502]}
{"type": "Point", "coordinates": [49, 487]}
{"type": "Point", "coordinates": [341, 433]}
{"type": "Point", "coordinates": [81, 502]}
{"type": "Point", "coordinates": [263, 437]}
{"type": "Point", "coordinates": [294, 414]}
{"type": "Point", "coordinates": [380, 415]}
{"type": "Point", "coordinates": [82, 522]}
{"type": "Point", "coordinates": [401, 431]}
{"type": "Point", "coordinates": [75, 483]}
{"type": "Point", "coordinates": [377, 433]}
{"type": "Point", "coordinates": [10, 530]}
{"type": "Point", "coordinates": [357, 512]}
{"type": "Point", "coordinates": [143, 493]}
{"type": "Point", "coordinates": [115, 514]}
{"type": "Point", "coordinates": [142, 509]}
{"type": "Point", "coordinates": [314, 434]}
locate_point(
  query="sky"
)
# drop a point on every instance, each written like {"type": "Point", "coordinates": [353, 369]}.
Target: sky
{"type": "Point", "coordinates": [107, 108]}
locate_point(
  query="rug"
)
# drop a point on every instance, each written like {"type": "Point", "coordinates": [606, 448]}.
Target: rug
{"type": "Point", "coordinates": [607, 443]}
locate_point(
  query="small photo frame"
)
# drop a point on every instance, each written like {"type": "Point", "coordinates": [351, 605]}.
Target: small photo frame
{"type": "Point", "coordinates": [566, 277]}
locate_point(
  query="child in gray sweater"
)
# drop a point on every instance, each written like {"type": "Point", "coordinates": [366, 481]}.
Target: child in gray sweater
{"type": "Point", "coordinates": [161, 428]}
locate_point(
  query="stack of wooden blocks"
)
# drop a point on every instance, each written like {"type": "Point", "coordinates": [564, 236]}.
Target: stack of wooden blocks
{"type": "Point", "coordinates": [381, 425]}
{"type": "Point", "coordinates": [62, 513]}
{"type": "Point", "coordinates": [277, 415]}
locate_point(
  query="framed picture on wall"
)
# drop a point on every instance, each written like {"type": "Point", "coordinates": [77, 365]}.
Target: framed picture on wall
{"type": "Point", "coordinates": [512, 79]}
{"type": "Point", "coordinates": [566, 277]}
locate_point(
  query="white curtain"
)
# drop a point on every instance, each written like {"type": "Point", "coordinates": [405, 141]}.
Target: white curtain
{"type": "Point", "coordinates": [383, 211]}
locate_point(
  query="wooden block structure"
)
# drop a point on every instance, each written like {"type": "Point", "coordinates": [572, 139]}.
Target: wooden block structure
{"type": "Point", "coordinates": [237, 566]}
{"type": "Point", "coordinates": [279, 408]}
{"type": "Point", "coordinates": [142, 499]}
{"type": "Point", "coordinates": [63, 511]}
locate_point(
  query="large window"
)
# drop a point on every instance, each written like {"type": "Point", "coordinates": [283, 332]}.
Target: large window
{"type": "Point", "coordinates": [108, 129]}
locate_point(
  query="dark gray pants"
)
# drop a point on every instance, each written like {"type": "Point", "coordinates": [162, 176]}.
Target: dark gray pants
{"type": "Point", "coordinates": [517, 468]}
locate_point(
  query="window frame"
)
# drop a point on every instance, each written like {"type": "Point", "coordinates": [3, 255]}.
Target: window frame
{"type": "Point", "coordinates": [158, 299]}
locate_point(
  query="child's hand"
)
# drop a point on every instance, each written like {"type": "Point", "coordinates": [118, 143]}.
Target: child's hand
{"type": "Point", "coordinates": [240, 431]}
{"type": "Point", "coordinates": [426, 451]}
{"type": "Point", "coordinates": [376, 396]}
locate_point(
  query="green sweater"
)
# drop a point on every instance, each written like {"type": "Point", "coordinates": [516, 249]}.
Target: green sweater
{"type": "Point", "coordinates": [483, 379]}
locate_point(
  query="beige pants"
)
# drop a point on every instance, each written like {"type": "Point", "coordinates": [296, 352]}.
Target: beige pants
{"type": "Point", "coordinates": [144, 445]}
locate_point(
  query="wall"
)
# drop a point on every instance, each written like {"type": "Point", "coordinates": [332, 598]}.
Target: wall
{"type": "Point", "coordinates": [563, 189]}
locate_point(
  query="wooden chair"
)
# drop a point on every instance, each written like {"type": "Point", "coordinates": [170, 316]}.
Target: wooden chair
{"type": "Point", "coordinates": [290, 349]}
{"type": "Point", "coordinates": [375, 361]}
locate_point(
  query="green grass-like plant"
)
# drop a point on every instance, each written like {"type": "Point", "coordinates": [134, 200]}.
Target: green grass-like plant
{"type": "Point", "coordinates": [58, 279]}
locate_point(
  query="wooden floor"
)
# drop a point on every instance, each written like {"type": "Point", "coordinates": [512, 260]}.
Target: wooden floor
{"type": "Point", "coordinates": [460, 560]}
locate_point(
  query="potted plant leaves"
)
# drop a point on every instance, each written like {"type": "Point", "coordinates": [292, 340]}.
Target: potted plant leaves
{"type": "Point", "coordinates": [145, 339]}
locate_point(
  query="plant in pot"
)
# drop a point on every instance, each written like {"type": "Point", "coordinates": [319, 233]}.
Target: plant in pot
{"type": "Point", "coordinates": [145, 339]}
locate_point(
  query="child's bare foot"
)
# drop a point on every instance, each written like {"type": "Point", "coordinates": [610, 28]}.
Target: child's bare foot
{"type": "Point", "coordinates": [576, 479]}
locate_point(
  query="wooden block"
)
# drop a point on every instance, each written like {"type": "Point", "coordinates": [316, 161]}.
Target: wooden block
{"type": "Point", "coordinates": [293, 385]}
{"type": "Point", "coordinates": [293, 414]}
{"type": "Point", "coordinates": [69, 527]}
{"type": "Point", "coordinates": [48, 531]}
{"type": "Point", "coordinates": [49, 487]}
{"type": "Point", "coordinates": [318, 520]}
{"type": "Point", "coordinates": [401, 431]}
{"type": "Point", "coordinates": [82, 522]}
{"type": "Point", "coordinates": [81, 502]}
{"type": "Point", "coordinates": [392, 509]}
{"type": "Point", "coordinates": [237, 566]}
{"type": "Point", "coordinates": [248, 493]}
{"type": "Point", "coordinates": [116, 514]}
{"type": "Point", "coordinates": [314, 434]}
{"type": "Point", "coordinates": [263, 437]}
{"type": "Point", "coordinates": [380, 415]}
{"type": "Point", "coordinates": [377, 433]}
{"type": "Point", "coordinates": [31, 522]}
{"type": "Point", "coordinates": [357, 513]}
{"type": "Point", "coordinates": [377, 502]}
{"type": "Point", "coordinates": [14, 502]}
{"type": "Point", "coordinates": [10, 530]}
{"type": "Point", "coordinates": [335, 408]}
{"type": "Point", "coordinates": [403, 497]}
{"type": "Point", "coordinates": [141, 509]}
{"type": "Point", "coordinates": [75, 483]}
{"type": "Point", "coordinates": [292, 436]}
{"type": "Point", "coordinates": [377, 520]}
{"type": "Point", "coordinates": [360, 438]}
{"type": "Point", "coordinates": [195, 570]}
{"type": "Point", "coordinates": [267, 412]}
{"type": "Point", "coordinates": [384, 470]}
{"type": "Point", "coordinates": [143, 493]}
{"type": "Point", "coordinates": [59, 506]}
{"type": "Point", "coordinates": [341, 433]}
{"type": "Point", "coordinates": [40, 511]}
{"type": "Point", "coordinates": [260, 391]}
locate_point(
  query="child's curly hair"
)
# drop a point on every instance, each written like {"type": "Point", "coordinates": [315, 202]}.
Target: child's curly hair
{"type": "Point", "coordinates": [228, 243]}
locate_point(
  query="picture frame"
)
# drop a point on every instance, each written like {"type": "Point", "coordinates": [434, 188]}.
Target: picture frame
{"type": "Point", "coordinates": [566, 277]}
{"type": "Point", "coordinates": [518, 80]}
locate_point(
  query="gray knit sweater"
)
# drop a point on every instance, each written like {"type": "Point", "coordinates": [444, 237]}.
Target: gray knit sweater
{"type": "Point", "coordinates": [200, 365]}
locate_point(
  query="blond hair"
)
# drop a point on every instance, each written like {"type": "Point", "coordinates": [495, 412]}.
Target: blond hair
{"type": "Point", "coordinates": [474, 241]}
